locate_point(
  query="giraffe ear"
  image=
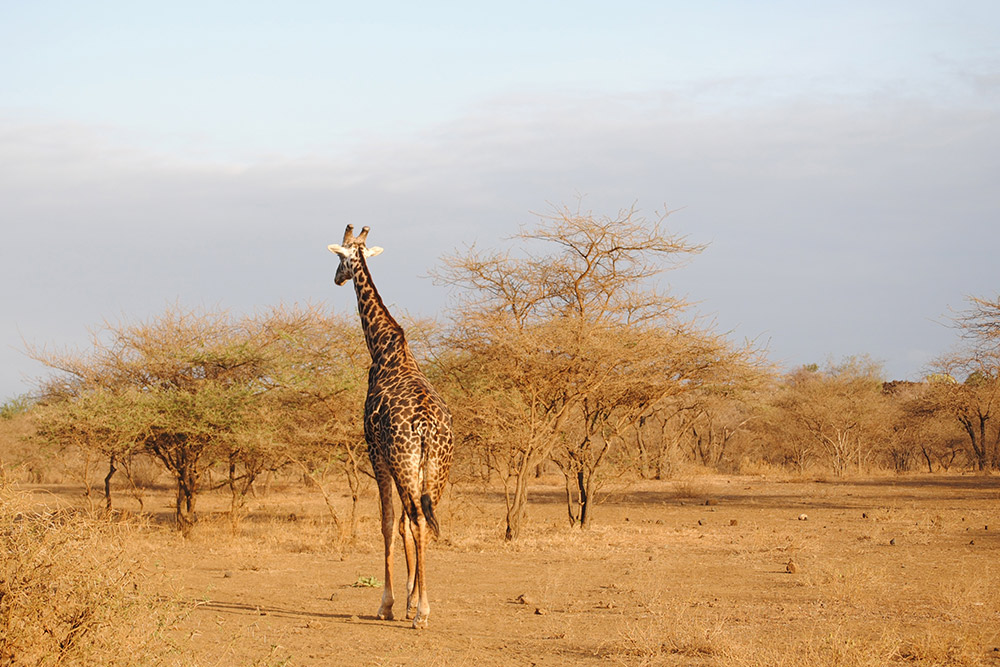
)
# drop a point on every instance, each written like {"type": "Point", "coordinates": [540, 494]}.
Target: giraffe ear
{"type": "Point", "coordinates": [371, 252]}
{"type": "Point", "coordinates": [337, 250]}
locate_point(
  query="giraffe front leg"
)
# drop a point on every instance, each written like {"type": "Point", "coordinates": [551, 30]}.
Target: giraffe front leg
{"type": "Point", "coordinates": [406, 535]}
{"type": "Point", "coordinates": [385, 497]}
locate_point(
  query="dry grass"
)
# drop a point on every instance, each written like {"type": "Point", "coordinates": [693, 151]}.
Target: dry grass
{"type": "Point", "coordinates": [71, 593]}
{"type": "Point", "coordinates": [657, 580]}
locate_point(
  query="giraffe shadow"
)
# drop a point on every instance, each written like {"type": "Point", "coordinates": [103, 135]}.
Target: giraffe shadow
{"type": "Point", "coordinates": [250, 609]}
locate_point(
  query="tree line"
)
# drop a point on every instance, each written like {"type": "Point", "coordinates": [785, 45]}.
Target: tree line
{"type": "Point", "coordinates": [562, 352]}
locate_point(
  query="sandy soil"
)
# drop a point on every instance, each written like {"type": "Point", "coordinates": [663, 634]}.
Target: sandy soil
{"type": "Point", "coordinates": [883, 571]}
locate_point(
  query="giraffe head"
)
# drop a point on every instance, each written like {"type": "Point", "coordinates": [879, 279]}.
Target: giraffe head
{"type": "Point", "coordinates": [351, 248]}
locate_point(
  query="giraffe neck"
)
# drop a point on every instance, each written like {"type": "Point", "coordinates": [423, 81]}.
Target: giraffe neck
{"type": "Point", "coordinates": [383, 334]}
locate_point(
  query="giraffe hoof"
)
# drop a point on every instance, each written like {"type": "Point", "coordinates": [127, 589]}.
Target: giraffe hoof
{"type": "Point", "coordinates": [410, 613]}
{"type": "Point", "coordinates": [384, 615]}
{"type": "Point", "coordinates": [420, 623]}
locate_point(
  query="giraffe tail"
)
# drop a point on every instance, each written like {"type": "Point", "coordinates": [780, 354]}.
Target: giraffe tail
{"type": "Point", "coordinates": [428, 507]}
{"type": "Point", "coordinates": [428, 477]}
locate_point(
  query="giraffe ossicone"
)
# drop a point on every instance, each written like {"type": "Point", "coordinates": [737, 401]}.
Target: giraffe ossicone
{"type": "Point", "coordinates": [407, 428]}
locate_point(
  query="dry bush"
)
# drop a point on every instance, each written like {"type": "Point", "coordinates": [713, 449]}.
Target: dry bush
{"type": "Point", "coordinates": [21, 459]}
{"type": "Point", "coordinates": [689, 487]}
{"type": "Point", "coordinates": [70, 593]}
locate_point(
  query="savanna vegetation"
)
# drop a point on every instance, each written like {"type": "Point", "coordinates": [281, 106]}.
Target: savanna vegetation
{"type": "Point", "coordinates": [562, 358]}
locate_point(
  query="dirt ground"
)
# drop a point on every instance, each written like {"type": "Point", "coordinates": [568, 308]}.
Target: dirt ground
{"type": "Point", "coordinates": [706, 571]}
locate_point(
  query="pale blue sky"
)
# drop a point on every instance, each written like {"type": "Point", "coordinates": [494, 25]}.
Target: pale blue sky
{"type": "Point", "coordinates": [839, 158]}
{"type": "Point", "coordinates": [252, 79]}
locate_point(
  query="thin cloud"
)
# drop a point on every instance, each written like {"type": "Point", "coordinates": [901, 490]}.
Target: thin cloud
{"type": "Point", "coordinates": [837, 226]}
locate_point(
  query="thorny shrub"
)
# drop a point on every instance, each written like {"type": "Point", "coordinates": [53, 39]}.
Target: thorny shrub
{"type": "Point", "coordinates": [70, 594]}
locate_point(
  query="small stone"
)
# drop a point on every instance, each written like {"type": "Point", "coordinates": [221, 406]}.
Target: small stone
{"type": "Point", "coordinates": [892, 542]}
{"type": "Point", "coordinates": [733, 522]}
{"type": "Point", "coordinates": [971, 542]}
{"type": "Point", "coordinates": [227, 575]}
{"type": "Point", "coordinates": [711, 502]}
{"type": "Point", "coordinates": [864, 515]}
{"type": "Point", "coordinates": [791, 567]}
{"type": "Point", "coordinates": [700, 522]}
{"type": "Point", "coordinates": [803, 517]}
{"type": "Point", "coordinates": [540, 611]}
{"type": "Point", "coordinates": [524, 599]}
{"type": "Point", "coordinates": [659, 522]}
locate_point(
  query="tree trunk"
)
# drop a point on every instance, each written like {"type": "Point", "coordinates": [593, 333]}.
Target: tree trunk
{"type": "Point", "coordinates": [107, 483]}
{"type": "Point", "coordinates": [517, 509]}
{"type": "Point", "coordinates": [569, 499]}
{"type": "Point", "coordinates": [584, 499]}
{"type": "Point", "coordinates": [136, 491]}
{"type": "Point", "coordinates": [353, 472]}
{"type": "Point", "coordinates": [977, 440]}
{"type": "Point", "coordinates": [984, 459]}
{"type": "Point", "coordinates": [187, 488]}
{"type": "Point", "coordinates": [180, 456]}
{"type": "Point", "coordinates": [640, 442]}
{"type": "Point", "coordinates": [235, 497]}
{"type": "Point", "coordinates": [927, 458]}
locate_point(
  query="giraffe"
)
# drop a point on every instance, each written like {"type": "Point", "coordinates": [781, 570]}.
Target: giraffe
{"type": "Point", "coordinates": [407, 428]}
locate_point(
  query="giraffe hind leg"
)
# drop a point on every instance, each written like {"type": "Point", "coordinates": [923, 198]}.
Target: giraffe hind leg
{"type": "Point", "coordinates": [420, 534]}
{"type": "Point", "coordinates": [409, 547]}
{"type": "Point", "coordinates": [420, 530]}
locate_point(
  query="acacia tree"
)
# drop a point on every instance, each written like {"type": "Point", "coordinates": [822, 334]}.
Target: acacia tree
{"type": "Point", "coordinates": [719, 416]}
{"type": "Point", "coordinates": [980, 323]}
{"type": "Point", "coordinates": [973, 401]}
{"type": "Point", "coordinates": [186, 377]}
{"type": "Point", "coordinates": [836, 410]}
{"type": "Point", "coordinates": [658, 436]}
{"type": "Point", "coordinates": [647, 367]}
{"type": "Point", "coordinates": [922, 429]}
{"type": "Point", "coordinates": [318, 410]}
{"type": "Point", "coordinates": [98, 421]}
{"type": "Point", "coordinates": [548, 329]}
{"type": "Point", "coordinates": [195, 389]}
